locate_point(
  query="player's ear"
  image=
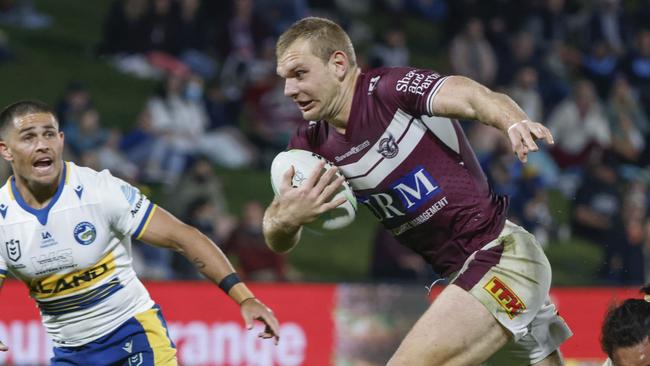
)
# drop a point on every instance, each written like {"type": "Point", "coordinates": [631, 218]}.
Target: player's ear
{"type": "Point", "coordinates": [339, 64]}
{"type": "Point", "coordinates": [5, 151]}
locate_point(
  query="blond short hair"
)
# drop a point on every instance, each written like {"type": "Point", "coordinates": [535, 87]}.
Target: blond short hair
{"type": "Point", "coordinates": [324, 36]}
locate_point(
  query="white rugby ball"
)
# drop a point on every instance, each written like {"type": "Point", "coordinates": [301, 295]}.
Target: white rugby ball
{"type": "Point", "coordinates": [304, 163]}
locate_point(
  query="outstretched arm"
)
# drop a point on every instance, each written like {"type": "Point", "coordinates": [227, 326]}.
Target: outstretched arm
{"type": "Point", "coordinates": [464, 98]}
{"type": "Point", "coordinates": [165, 230]}
{"type": "Point", "coordinates": [294, 207]}
{"type": "Point", "coordinates": [3, 348]}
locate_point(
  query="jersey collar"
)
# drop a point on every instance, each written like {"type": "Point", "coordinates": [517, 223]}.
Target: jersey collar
{"type": "Point", "coordinates": [40, 213]}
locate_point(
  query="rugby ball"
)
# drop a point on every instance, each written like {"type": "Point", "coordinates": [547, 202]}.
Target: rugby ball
{"type": "Point", "coordinates": [304, 163]}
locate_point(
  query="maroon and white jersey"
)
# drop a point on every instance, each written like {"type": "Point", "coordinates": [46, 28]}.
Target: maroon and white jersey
{"type": "Point", "coordinates": [415, 172]}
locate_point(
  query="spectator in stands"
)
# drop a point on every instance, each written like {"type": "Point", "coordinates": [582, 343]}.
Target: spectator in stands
{"type": "Point", "coordinates": [524, 91]}
{"type": "Point", "coordinates": [200, 181]}
{"type": "Point", "coordinates": [243, 30]}
{"type": "Point", "coordinates": [109, 156]}
{"type": "Point", "coordinates": [628, 122]}
{"type": "Point", "coordinates": [596, 213]}
{"type": "Point", "coordinates": [223, 141]}
{"type": "Point", "coordinates": [550, 24]}
{"type": "Point", "coordinates": [471, 54]}
{"type": "Point", "coordinates": [600, 65]}
{"type": "Point", "coordinates": [164, 27]}
{"type": "Point", "coordinates": [75, 100]}
{"type": "Point", "coordinates": [193, 39]}
{"type": "Point", "coordinates": [125, 28]}
{"type": "Point", "coordinates": [391, 51]}
{"type": "Point", "coordinates": [579, 127]}
{"type": "Point", "coordinates": [255, 260]}
{"type": "Point", "coordinates": [609, 23]}
{"type": "Point", "coordinates": [178, 117]}
{"type": "Point", "coordinates": [521, 52]}
{"type": "Point", "coordinates": [140, 145]}
{"type": "Point", "coordinates": [632, 233]}
{"type": "Point", "coordinates": [638, 67]}
{"type": "Point", "coordinates": [86, 135]}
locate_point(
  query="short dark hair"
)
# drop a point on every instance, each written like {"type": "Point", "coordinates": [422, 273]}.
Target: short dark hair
{"type": "Point", "coordinates": [626, 325]}
{"type": "Point", "coordinates": [325, 37]}
{"type": "Point", "coordinates": [19, 109]}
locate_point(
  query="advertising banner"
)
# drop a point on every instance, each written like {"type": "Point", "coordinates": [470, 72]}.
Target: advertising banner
{"type": "Point", "coordinates": [321, 324]}
{"type": "Point", "coordinates": [204, 323]}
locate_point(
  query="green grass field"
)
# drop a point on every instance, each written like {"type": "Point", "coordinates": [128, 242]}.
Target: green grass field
{"type": "Point", "coordinates": [48, 59]}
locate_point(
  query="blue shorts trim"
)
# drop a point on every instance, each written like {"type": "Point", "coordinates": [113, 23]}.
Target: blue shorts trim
{"type": "Point", "coordinates": [143, 340]}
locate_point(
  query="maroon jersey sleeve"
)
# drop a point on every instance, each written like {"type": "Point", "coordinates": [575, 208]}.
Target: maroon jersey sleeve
{"type": "Point", "coordinates": [411, 89]}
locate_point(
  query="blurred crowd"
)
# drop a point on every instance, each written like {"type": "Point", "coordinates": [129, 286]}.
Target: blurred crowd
{"type": "Point", "coordinates": [580, 67]}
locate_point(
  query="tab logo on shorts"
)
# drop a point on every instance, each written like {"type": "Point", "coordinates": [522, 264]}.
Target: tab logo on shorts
{"type": "Point", "coordinates": [510, 302]}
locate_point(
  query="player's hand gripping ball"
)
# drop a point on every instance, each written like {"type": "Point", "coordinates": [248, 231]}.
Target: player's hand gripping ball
{"type": "Point", "coordinates": [304, 163]}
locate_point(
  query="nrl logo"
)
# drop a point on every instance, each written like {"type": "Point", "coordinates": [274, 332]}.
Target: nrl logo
{"type": "Point", "coordinates": [298, 178]}
{"type": "Point", "coordinates": [13, 249]}
{"type": "Point", "coordinates": [388, 147]}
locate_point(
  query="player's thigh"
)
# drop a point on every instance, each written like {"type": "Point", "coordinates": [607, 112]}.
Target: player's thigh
{"type": "Point", "coordinates": [456, 330]}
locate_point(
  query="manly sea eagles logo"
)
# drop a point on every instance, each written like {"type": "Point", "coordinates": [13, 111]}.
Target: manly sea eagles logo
{"type": "Point", "coordinates": [388, 147]}
{"type": "Point", "coordinates": [13, 249]}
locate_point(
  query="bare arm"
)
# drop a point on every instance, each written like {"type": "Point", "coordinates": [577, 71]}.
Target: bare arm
{"type": "Point", "coordinates": [280, 233]}
{"type": "Point", "coordinates": [165, 230]}
{"type": "Point", "coordinates": [294, 207]}
{"type": "Point", "coordinates": [461, 97]}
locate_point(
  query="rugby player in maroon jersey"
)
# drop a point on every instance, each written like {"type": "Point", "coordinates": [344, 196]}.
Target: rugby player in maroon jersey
{"type": "Point", "coordinates": [393, 134]}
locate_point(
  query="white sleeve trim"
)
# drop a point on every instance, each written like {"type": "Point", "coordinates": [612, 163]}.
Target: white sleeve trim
{"type": "Point", "coordinates": [432, 94]}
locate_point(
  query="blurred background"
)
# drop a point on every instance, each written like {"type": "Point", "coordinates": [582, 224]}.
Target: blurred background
{"type": "Point", "coordinates": [180, 98]}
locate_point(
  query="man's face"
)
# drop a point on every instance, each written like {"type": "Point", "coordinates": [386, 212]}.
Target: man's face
{"type": "Point", "coordinates": [33, 145]}
{"type": "Point", "coordinates": [311, 83]}
{"type": "Point", "coordinates": [638, 355]}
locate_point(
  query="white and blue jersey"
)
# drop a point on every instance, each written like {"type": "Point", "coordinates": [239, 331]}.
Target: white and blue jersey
{"type": "Point", "coordinates": [75, 253]}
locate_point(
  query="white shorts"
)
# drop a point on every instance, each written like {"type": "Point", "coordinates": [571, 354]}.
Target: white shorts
{"type": "Point", "coordinates": [511, 277]}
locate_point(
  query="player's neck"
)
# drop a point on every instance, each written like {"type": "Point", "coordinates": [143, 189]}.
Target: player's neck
{"type": "Point", "coordinates": [34, 194]}
{"type": "Point", "coordinates": [343, 104]}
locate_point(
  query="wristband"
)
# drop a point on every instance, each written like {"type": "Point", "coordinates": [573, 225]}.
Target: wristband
{"type": "Point", "coordinates": [514, 124]}
{"type": "Point", "coordinates": [228, 282]}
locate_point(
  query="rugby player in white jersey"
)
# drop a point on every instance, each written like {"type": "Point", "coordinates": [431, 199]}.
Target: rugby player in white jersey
{"type": "Point", "coordinates": [392, 133]}
{"type": "Point", "coordinates": [66, 233]}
